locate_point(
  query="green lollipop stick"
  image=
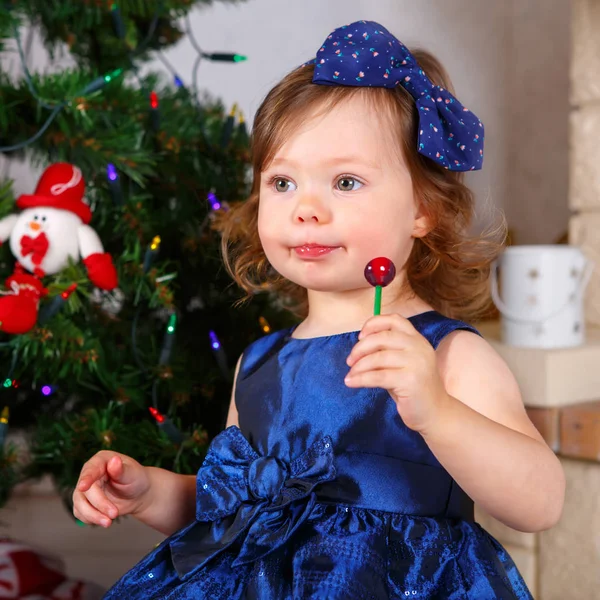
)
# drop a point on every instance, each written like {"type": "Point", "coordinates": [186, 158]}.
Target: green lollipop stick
{"type": "Point", "coordinates": [379, 272]}
{"type": "Point", "coordinates": [377, 309]}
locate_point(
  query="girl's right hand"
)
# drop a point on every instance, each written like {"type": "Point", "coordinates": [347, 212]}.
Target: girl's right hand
{"type": "Point", "coordinates": [110, 485]}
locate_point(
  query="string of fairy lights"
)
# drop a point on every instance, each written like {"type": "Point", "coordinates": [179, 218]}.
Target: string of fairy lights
{"type": "Point", "coordinates": [115, 189]}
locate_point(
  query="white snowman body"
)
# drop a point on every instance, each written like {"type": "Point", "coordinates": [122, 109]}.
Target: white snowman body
{"type": "Point", "coordinates": [67, 236]}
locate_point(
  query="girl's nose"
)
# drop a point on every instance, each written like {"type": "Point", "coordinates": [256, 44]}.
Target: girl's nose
{"type": "Point", "coordinates": [310, 210]}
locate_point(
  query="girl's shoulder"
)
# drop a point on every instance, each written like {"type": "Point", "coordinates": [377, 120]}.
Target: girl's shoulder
{"type": "Point", "coordinates": [473, 372]}
{"type": "Point", "coordinates": [436, 327]}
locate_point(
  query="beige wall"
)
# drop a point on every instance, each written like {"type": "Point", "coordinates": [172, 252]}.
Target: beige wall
{"type": "Point", "coordinates": [537, 120]}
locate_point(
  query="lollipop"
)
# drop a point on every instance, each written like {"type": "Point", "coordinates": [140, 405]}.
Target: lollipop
{"type": "Point", "coordinates": [379, 272]}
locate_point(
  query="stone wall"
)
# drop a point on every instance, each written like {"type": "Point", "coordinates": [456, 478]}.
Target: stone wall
{"type": "Point", "coordinates": [584, 188]}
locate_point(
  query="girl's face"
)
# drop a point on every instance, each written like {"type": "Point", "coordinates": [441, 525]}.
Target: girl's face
{"type": "Point", "coordinates": [337, 195]}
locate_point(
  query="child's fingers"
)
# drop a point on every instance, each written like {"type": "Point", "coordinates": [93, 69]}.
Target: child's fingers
{"type": "Point", "coordinates": [384, 359]}
{"type": "Point", "coordinates": [385, 322]}
{"type": "Point", "coordinates": [384, 378]}
{"type": "Point", "coordinates": [119, 471]}
{"type": "Point", "coordinates": [382, 340]}
{"type": "Point", "coordinates": [86, 513]}
{"type": "Point", "coordinates": [93, 470]}
{"type": "Point", "coordinates": [97, 498]}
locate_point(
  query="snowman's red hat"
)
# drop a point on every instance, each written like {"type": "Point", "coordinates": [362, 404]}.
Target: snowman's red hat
{"type": "Point", "coordinates": [60, 186]}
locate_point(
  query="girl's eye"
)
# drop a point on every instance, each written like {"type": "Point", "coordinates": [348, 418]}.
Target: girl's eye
{"type": "Point", "coordinates": [283, 185]}
{"type": "Point", "coordinates": [348, 184]}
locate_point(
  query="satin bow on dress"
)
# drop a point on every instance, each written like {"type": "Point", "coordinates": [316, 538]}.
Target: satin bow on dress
{"type": "Point", "coordinates": [265, 499]}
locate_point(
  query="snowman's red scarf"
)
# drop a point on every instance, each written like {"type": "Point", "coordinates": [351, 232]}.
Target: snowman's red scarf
{"type": "Point", "coordinates": [37, 246]}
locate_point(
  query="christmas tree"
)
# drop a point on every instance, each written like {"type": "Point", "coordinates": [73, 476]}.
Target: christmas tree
{"type": "Point", "coordinates": [144, 368]}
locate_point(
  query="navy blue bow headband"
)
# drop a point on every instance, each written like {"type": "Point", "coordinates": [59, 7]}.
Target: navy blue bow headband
{"type": "Point", "coordinates": [366, 54]}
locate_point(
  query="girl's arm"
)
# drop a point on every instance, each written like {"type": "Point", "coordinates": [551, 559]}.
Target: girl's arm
{"type": "Point", "coordinates": [171, 502]}
{"type": "Point", "coordinates": [485, 440]}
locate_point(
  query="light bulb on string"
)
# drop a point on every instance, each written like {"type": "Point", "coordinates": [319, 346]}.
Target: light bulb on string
{"type": "Point", "coordinates": [111, 172]}
{"type": "Point", "coordinates": [151, 252]}
{"type": "Point", "coordinates": [158, 417]}
{"type": "Point", "coordinates": [114, 184]}
{"type": "Point", "coordinates": [178, 81]}
{"type": "Point", "coordinates": [213, 201]}
{"type": "Point", "coordinates": [168, 340]}
{"type": "Point", "coordinates": [112, 75]}
{"type": "Point", "coordinates": [100, 82]}
{"type": "Point", "coordinates": [154, 112]}
{"type": "Point", "coordinates": [264, 324]}
{"type": "Point", "coordinates": [225, 56]}
{"type": "Point", "coordinates": [219, 354]}
{"type": "Point", "coordinates": [214, 340]}
{"type": "Point", "coordinates": [165, 424]}
{"type": "Point", "coordinates": [172, 323]}
{"type": "Point", "coordinates": [4, 425]}
{"type": "Point", "coordinates": [47, 390]}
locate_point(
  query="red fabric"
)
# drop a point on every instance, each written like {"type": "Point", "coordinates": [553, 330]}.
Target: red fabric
{"type": "Point", "coordinates": [26, 574]}
{"type": "Point", "coordinates": [19, 306]}
{"type": "Point", "coordinates": [37, 246]}
{"type": "Point", "coordinates": [101, 270]}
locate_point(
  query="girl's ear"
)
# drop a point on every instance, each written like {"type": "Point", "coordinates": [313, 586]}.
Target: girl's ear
{"type": "Point", "coordinates": [422, 225]}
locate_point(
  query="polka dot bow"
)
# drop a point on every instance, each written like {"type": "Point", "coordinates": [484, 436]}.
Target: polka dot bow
{"type": "Point", "coordinates": [366, 54]}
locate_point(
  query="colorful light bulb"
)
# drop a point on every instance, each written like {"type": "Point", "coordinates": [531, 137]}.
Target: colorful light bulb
{"type": "Point", "coordinates": [214, 340]}
{"type": "Point", "coordinates": [158, 417]}
{"type": "Point", "coordinates": [214, 201]}
{"type": "Point", "coordinates": [264, 325]}
{"type": "Point", "coordinates": [172, 323]}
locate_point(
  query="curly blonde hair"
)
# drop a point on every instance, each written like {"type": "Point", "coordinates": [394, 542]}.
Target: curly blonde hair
{"type": "Point", "coordinates": [447, 268]}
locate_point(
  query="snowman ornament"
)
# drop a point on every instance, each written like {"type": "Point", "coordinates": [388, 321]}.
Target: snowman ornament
{"type": "Point", "coordinates": [52, 227]}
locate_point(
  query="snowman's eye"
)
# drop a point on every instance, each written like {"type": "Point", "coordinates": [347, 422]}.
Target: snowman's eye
{"type": "Point", "coordinates": [35, 218]}
{"type": "Point", "coordinates": [43, 218]}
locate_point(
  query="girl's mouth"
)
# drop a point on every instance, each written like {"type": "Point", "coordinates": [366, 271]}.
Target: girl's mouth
{"type": "Point", "coordinates": [313, 250]}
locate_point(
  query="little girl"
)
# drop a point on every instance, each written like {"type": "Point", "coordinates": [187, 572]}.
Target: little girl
{"type": "Point", "coordinates": [355, 445]}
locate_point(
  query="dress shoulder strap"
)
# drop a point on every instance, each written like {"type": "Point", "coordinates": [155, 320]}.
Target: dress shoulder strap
{"type": "Point", "coordinates": [259, 351]}
{"type": "Point", "coordinates": [435, 326]}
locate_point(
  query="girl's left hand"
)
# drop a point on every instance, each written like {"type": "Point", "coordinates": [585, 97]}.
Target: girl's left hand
{"type": "Point", "coordinates": [391, 354]}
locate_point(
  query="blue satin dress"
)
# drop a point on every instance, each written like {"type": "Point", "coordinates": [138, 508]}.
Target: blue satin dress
{"type": "Point", "coordinates": [323, 492]}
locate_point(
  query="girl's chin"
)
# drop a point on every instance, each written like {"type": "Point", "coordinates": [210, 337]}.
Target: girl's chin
{"type": "Point", "coordinates": [336, 287]}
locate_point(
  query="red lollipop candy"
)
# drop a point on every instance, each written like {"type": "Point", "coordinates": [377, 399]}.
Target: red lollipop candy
{"type": "Point", "coordinates": [379, 272]}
